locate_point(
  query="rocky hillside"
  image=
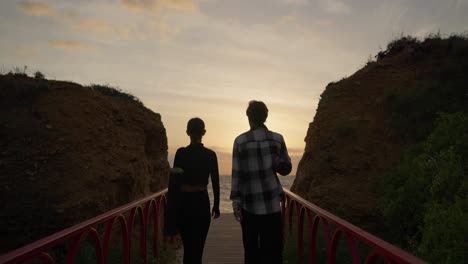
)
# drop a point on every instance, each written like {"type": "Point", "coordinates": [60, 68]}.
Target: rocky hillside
{"type": "Point", "coordinates": [69, 152]}
{"type": "Point", "coordinates": [365, 122]}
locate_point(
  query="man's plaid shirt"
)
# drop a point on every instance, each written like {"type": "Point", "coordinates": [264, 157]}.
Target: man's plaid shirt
{"type": "Point", "coordinates": [255, 186]}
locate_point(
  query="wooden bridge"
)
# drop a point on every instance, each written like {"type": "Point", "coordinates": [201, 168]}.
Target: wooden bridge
{"type": "Point", "coordinates": [224, 242]}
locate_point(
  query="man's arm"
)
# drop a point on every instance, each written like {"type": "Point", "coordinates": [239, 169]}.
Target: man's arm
{"type": "Point", "coordinates": [284, 165]}
{"type": "Point", "coordinates": [235, 181]}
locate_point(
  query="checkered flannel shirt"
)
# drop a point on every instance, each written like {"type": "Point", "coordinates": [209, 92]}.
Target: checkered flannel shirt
{"type": "Point", "coordinates": [255, 186]}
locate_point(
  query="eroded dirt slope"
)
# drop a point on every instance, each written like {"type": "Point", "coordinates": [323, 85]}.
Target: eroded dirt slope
{"type": "Point", "coordinates": [68, 153]}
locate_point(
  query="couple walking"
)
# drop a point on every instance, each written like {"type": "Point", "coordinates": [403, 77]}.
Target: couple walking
{"type": "Point", "coordinates": [258, 155]}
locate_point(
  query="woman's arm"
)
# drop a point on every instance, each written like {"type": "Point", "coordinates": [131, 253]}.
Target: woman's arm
{"type": "Point", "coordinates": [215, 184]}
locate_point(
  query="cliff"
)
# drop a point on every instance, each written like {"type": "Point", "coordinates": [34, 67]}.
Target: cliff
{"type": "Point", "coordinates": [68, 153]}
{"type": "Point", "coordinates": [364, 123]}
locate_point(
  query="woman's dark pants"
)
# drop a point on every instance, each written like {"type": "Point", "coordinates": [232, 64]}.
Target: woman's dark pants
{"type": "Point", "coordinates": [194, 224]}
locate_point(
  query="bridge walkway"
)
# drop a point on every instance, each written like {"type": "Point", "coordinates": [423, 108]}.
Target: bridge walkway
{"type": "Point", "coordinates": [224, 241]}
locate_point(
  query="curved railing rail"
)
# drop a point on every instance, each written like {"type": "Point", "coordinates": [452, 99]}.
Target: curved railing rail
{"type": "Point", "coordinates": [139, 210]}
{"type": "Point", "coordinates": [334, 228]}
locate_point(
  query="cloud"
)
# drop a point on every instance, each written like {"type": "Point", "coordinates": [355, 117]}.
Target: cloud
{"type": "Point", "coordinates": [166, 30]}
{"type": "Point", "coordinates": [70, 45]}
{"type": "Point", "coordinates": [93, 25]}
{"type": "Point", "coordinates": [83, 23]}
{"type": "Point", "coordinates": [295, 2]}
{"type": "Point", "coordinates": [335, 7]}
{"type": "Point", "coordinates": [36, 9]}
{"type": "Point", "coordinates": [68, 17]}
{"type": "Point", "coordinates": [156, 6]}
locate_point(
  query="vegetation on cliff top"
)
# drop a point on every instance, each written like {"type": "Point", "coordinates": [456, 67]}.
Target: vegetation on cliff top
{"type": "Point", "coordinates": [425, 201]}
{"type": "Point", "coordinates": [15, 90]}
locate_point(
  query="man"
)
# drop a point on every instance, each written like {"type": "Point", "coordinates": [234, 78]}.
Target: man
{"type": "Point", "coordinates": [256, 192]}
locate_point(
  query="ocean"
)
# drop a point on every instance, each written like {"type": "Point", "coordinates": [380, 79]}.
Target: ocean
{"type": "Point", "coordinates": [225, 205]}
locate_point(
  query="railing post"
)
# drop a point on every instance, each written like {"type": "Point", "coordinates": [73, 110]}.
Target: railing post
{"type": "Point", "coordinates": [300, 236]}
{"type": "Point", "coordinates": [106, 239]}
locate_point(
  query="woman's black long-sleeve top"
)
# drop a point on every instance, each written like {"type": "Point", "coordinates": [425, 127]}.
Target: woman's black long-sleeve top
{"type": "Point", "coordinates": [199, 163]}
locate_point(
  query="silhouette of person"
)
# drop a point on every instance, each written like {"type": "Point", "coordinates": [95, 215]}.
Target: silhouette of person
{"type": "Point", "coordinates": [256, 192]}
{"type": "Point", "coordinates": [188, 200]}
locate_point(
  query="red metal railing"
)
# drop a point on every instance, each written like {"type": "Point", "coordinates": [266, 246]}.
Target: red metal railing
{"type": "Point", "coordinates": [334, 228]}
{"type": "Point", "coordinates": [138, 211]}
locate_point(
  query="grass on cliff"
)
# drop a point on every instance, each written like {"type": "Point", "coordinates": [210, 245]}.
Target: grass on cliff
{"type": "Point", "coordinates": [17, 88]}
{"type": "Point", "coordinates": [417, 47]}
{"type": "Point", "coordinates": [115, 92]}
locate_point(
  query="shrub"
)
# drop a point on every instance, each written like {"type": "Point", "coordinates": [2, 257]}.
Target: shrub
{"type": "Point", "coordinates": [444, 233]}
{"type": "Point", "coordinates": [425, 199]}
{"type": "Point", "coordinates": [401, 43]}
{"type": "Point", "coordinates": [398, 45]}
{"type": "Point", "coordinates": [17, 71]}
{"type": "Point", "coordinates": [39, 75]}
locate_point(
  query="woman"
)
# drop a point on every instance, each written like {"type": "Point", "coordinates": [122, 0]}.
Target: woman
{"type": "Point", "coordinates": [195, 165]}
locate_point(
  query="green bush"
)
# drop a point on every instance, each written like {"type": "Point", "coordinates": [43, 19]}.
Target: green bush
{"type": "Point", "coordinates": [444, 233]}
{"type": "Point", "coordinates": [425, 199]}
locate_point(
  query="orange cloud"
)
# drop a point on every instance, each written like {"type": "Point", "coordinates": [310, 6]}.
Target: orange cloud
{"type": "Point", "coordinates": [94, 25]}
{"type": "Point", "coordinates": [36, 9]}
{"type": "Point", "coordinates": [155, 6]}
{"type": "Point", "coordinates": [70, 45]}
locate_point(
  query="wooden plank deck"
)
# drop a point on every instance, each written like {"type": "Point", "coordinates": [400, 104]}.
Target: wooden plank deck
{"type": "Point", "coordinates": [224, 242]}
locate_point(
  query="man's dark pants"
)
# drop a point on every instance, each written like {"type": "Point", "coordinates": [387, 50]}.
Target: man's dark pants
{"type": "Point", "coordinates": [263, 238]}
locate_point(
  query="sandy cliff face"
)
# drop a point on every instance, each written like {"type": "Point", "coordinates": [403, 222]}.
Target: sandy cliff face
{"type": "Point", "coordinates": [68, 153]}
{"type": "Point", "coordinates": [350, 144]}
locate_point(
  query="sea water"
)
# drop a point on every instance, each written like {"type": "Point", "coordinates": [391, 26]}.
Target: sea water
{"type": "Point", "coordinates": [225, 205]}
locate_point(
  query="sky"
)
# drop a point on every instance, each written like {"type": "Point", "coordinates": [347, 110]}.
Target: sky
{"type": "Point", "coordinates": [209, 58]}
